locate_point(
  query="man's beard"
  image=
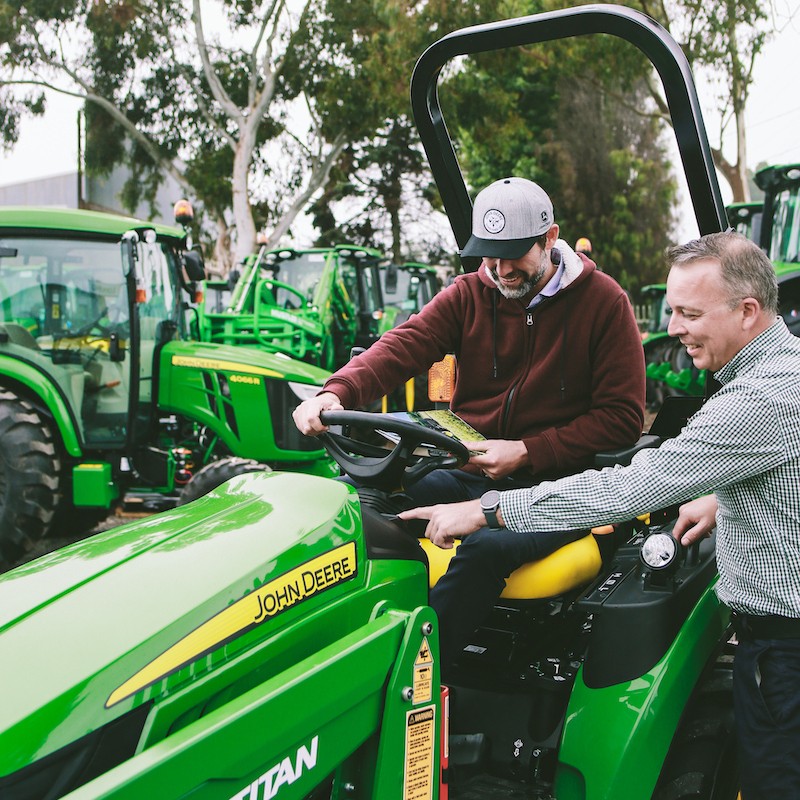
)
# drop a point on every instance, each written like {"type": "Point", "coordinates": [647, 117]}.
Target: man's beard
{"type": "Point", "coordinates": [525, 288]}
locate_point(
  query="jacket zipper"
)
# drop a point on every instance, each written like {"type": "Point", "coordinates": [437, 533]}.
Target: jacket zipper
{"type": "Point", "coordinates": [513, 390]}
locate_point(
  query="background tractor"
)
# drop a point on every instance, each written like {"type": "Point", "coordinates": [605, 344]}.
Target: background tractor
{"type": "Point", "coordinates": [313, 304]}
{"type": "Point", "coordinates": [102, 392]}
{"type": "Point", "coordinates": [746, 218]}
{"type": "Point", "coordinates": [780, 235]}
{"type": "Point", "coordinates": [273, 638]}
{"type": "Point", "coordinates": [406, 289]}
{"type": "Point", "coordinates": [669, 370]}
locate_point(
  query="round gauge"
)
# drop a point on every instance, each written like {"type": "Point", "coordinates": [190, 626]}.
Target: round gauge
{"type": "Point", "coordinates": [659, 551]}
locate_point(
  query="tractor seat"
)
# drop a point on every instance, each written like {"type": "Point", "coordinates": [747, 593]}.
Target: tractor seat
{"type": "Point", "coordinates": [18, 334]}
{"type": "Point", "coordinates": [570, 567]}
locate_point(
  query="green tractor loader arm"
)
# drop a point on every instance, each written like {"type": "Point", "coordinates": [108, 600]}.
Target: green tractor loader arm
{"type": "Point", "coordinates": [311, 304]}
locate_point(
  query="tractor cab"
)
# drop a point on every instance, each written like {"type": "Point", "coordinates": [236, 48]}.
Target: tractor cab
{"type": "Point", "coordinates": [342, 284]}
{"type": "Point", "coordinates": [780, 231]}
{"type": "Point", "coordinates": [655, 311]}
{"type": "Point", "coordinates": [746, 218]}
{"type": "Point", "coordinates": [89, 311]}
{"type": "Point", "coordinates": [406, 289]}
{"type": "Point", "coordinates": [780, 235]}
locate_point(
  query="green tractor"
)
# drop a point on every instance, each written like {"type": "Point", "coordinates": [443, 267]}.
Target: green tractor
{"type": "Point", "coordinates": [669, 369]}
{"type": "Point", "coordinates": [313, 304]}
{"type": "Point", "coordinates": [780, 234]}
{"type": "Point", "coordinates": [406, 289]}
{"type": "Point", "coordinates": [746, 218]}
{"type": "Point", "coordinates": [273, 638]}
{"type": "Point", "coordinates": [102, 393]}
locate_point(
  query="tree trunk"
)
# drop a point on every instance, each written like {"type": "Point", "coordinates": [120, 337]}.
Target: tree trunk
{"type": "Point", "coordinates": [222, 248]}
{"type": "Point", "coordinates": [734, 174]}
{"type": "Point", "coordinates": [242, 211]}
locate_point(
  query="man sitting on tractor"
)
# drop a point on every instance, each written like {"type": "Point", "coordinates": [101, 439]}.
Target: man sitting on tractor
{"type": "Point", "coordinates": [550, 362]}
{"type": "Point", "coordinates": [550, 367]}
{"type": "Point", "coordinates": [744, 446]}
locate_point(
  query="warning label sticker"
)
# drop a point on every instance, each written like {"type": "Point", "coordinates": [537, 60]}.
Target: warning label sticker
{"type": "Point", "coordinates": [420, 735]}
{"type": "Point", "coordinates": [423, 674]}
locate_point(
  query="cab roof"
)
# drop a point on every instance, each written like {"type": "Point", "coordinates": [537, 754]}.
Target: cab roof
{"type": "Point", "coordinates": [78, 221]}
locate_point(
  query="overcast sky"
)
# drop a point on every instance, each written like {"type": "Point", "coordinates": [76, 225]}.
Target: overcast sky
{"type": "Point", "coordinates": [48, 146]}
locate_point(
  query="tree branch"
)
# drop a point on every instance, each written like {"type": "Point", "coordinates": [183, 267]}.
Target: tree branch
{"type": "Point", "coordinates": [253, 83]}
{"type": "Point", "coordinates": [103, 102]}
{"type": "Point", "coordinates": [220, 95]}
{"type": "Point", "coordinates": [319, 177]}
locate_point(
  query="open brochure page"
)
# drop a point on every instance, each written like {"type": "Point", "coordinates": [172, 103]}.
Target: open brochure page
{"type": "Point", "coordinates": [442, 420]}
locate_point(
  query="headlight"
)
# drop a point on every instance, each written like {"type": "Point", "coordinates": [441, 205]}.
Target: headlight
{"type": "Point", "coordinates": [304, 391]}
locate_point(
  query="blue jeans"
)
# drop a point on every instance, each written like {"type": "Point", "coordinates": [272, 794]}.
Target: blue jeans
{"type": "Point", "coordinates": [464, 596]}
{"type": "Point", "coordinates": [451, 486]}
{"type": "Point", "coordinates": [456, 486]}
{"type": "Point", "coordinates": [766, 701]}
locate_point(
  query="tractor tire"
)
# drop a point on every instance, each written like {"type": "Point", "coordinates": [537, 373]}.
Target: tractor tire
{"type": "Point", "coordinates": [701, 763]}
{"type": "Point", "coordinates": [216, 473]}
{"type": "Point", "coordinates": [30, 472]}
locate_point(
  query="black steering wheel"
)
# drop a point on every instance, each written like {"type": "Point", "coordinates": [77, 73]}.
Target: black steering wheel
{"type": "Point", "coordinates": [90, 326]}
{"type": "Point", "coordinates": [418, 449]}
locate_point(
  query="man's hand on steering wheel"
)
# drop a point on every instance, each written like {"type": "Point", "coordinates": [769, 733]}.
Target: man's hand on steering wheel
{"type": "Point", "coordinates": [306, 415]}
{"type": "Point", "coordinates": [415, 450]}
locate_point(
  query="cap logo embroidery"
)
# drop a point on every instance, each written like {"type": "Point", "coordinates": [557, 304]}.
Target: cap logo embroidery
{"type": "Point", "coordinates": [544, 216]}
{"type": "Point", "coordinates": [494, 221]}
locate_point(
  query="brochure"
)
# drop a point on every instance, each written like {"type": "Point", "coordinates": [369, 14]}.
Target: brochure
{"type": "Point", "coordinates": [442, 420]}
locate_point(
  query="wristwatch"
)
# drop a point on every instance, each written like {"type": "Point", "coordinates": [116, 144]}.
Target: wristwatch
{"type": "Point", "coordinates": [490, 502]}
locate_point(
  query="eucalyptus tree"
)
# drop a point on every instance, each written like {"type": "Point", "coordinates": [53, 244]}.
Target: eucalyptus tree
{"type": "Point", "coordinates": [213, 94]}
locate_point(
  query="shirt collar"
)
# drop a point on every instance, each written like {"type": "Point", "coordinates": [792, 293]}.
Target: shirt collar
{"type": "Point", "coordinates": [765, 341]}
{"type": "Point", "coordinates": [550, 288]}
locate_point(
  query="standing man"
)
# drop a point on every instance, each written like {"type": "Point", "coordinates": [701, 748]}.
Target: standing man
{"type": "Point", "coordinates": [744, 447]}
{"type": "Point", "coordinates": [550, 361]}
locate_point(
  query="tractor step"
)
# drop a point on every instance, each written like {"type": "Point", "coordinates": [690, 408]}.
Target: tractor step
{"type": "Point", "coordinates": [489, 787]}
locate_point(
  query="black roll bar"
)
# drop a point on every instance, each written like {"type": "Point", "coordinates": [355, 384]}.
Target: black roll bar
{"type": "Point", "coordinates": [626, 23]}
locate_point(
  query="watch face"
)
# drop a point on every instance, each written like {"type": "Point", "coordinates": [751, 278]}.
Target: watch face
{"type": "Point", "coordinates": [490, 500]}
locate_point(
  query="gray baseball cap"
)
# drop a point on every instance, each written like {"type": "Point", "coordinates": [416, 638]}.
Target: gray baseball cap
{"type": "Point", "coordinates": [507, 218]}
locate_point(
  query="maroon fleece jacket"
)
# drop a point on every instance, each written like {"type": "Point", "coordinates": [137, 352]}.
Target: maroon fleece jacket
{"type": "Point", "coordinates": [567, 378]}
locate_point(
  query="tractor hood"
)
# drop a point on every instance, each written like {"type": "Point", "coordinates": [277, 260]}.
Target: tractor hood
{"type": "Point", "coordinates": [99, 628]}
{"type": "Point", "coordinates": [241, 360]}
{"type": "Point", "coordinates": [245, 397]}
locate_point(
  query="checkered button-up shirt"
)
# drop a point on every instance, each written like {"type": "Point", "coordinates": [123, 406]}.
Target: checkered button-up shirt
{"type": "Point", "coordinates": [743, 445]}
